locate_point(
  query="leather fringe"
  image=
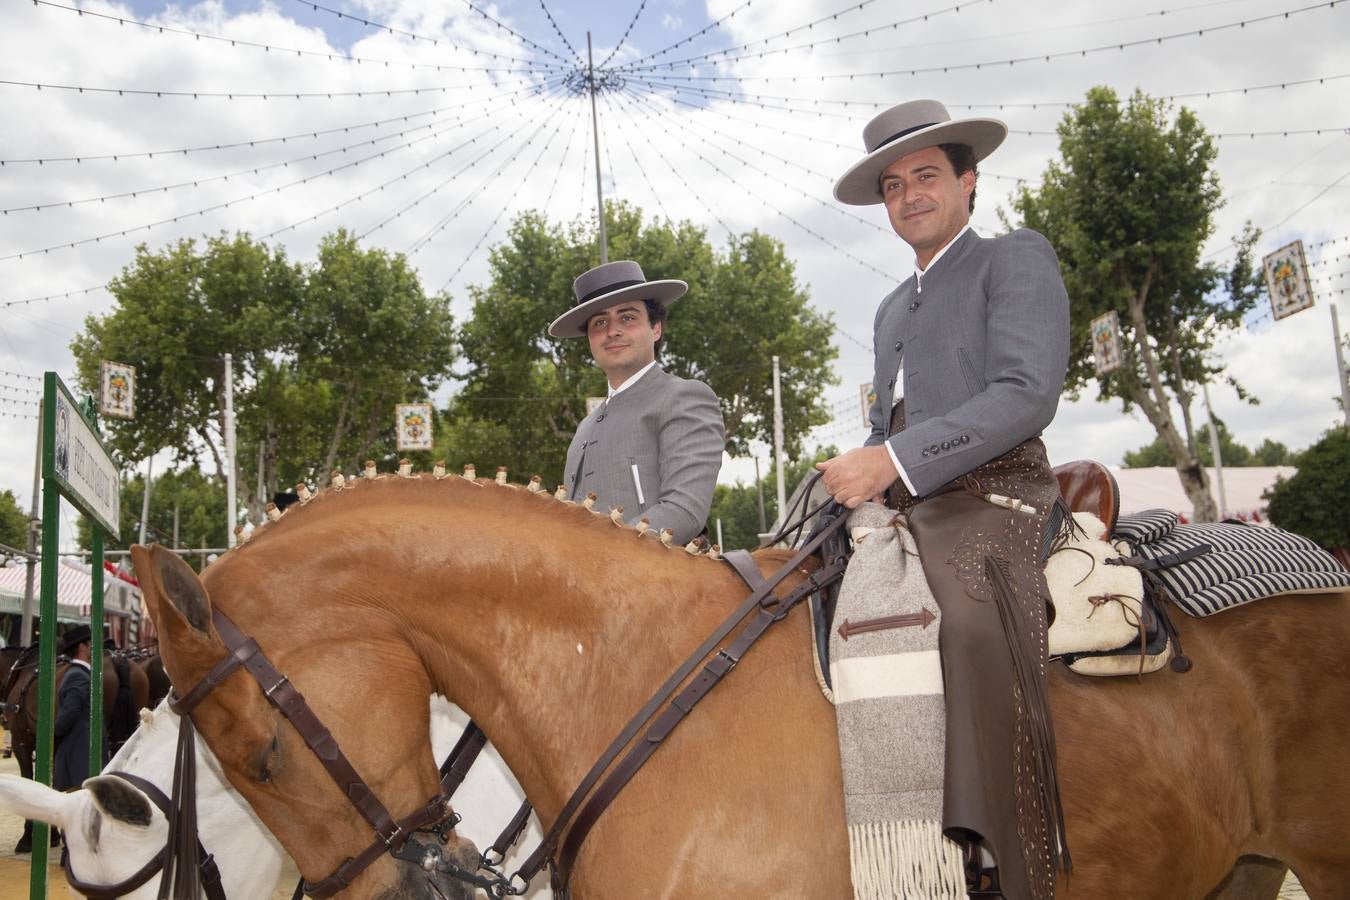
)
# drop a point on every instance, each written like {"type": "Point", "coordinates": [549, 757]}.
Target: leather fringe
{"type": "Point", "coordinates": [1030, 678]}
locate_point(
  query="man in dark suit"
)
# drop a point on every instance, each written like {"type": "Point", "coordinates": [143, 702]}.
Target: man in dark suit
{"type": "Point", "coordinates": [70, 764]}
{"type": "Point", "coordinates": [654, 447]}
{"type": "Point", "coordinates": [970, 357]}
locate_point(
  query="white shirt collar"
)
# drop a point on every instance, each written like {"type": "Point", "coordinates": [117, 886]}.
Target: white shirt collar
{"type": "Point", "coordinates": [919, 272]}
{"type": "Point", "coordinates": [80, 662]}
{"type": "Point", "coordinates": [632, 379]}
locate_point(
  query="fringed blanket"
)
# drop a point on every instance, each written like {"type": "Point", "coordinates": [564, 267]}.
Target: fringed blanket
{"type": "Point", "coordinates": [887, 684]}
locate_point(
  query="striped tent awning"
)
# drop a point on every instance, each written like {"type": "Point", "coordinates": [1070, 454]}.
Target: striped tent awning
{"type": "Point", "coordinates": [74, 590]}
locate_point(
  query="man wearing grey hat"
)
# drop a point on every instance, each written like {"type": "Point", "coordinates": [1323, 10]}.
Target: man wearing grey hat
{"type": "Point", "coordinates": [970, 357]}
{"type": "Point", "coordinates": [654, 447]}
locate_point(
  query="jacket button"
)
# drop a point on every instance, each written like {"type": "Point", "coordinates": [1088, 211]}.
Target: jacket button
{"type": "Point", "coordinates": [913, 306]}
{"type": "Point", "coordinates": [890, 385]}
{"type": "Point", "coordinates": [899, 345]}
{"type": "Point", "coordinates": [923, 452]}
{"type": "Point", "coordinates": [600, 418]}
{"type": "Point", "coordinates": [965, 439]}
{"type": "Point", "coordinates": [946, 445]}
{"type": "Point", "coordinates": [933, 449]}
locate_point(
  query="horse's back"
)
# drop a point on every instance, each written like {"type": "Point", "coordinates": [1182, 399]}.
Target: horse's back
{"type": "Point", "coordinates": [1246, 751]}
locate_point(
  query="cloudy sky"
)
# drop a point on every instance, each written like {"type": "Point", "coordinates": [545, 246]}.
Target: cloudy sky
{"type": "Point", "coordinates": [426, 135]}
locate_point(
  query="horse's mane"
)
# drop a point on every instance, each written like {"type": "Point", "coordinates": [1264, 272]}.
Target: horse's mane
{"type": "Point", "coordinates": [529, 507]}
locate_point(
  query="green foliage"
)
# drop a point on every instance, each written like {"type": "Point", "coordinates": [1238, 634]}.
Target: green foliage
{"type": "Point", "coordinates": [321, 355]}
{"type": "Point", "coordinates": [1270, 453]}
{"type": "Point", "coordinates": [1314, 501]}
{"type": "Point", "coordinates": [200, 500]}
{"type": "Point", "coordinates": [737, 505]}
{"type": "Point", "coordinates": [524, 392]}
{"type": "Point", "coordinates": [1128, 208]}
{"type": "Point", "coordinates": [13, 522]}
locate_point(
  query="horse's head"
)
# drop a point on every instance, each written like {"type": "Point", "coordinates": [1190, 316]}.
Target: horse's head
{"type": "Point", "coordinates": [376, 711]}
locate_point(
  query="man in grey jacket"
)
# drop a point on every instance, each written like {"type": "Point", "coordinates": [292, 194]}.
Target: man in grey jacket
{"type": "Point", "coordinates": [970, 357]}
{"type": "Point", "coordinates": [654, 447]}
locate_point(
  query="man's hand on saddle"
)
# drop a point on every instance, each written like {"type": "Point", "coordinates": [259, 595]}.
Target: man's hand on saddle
{"type": "Point", "coordinates": [859, 475]}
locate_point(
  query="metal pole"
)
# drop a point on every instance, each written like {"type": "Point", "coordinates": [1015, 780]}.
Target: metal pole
{"type": "Point", "coordinates": [1218, 457]}
{"type": "Point", "coordinates": [1342, 376]}
{"type": "Point", "coordinates": [759, 490]}
{"type": "Point", "coordinates": [778, 438]}
{"type": "Point", "coordinates": [96, 653]}
{"type": "Point", "coordinates": [595, 133]}
{"type": "Point", "coordinates": [175, 526]}
{"type": "Point", "coordinates": [719, 531]}
{"type": "Point", "coordinates": [145, 497]}
{"type": "Point", "coordinates": [34, 526]}
{"type": "Point", "coordinates": [230, 511]}
{"type": "Point", "coordinates": [51, 546]}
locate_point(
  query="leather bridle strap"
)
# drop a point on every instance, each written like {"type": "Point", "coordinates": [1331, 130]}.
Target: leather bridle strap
{"type": "Point", "coordinates": [763, 595]}
{"type": "Point", "coordinates": [717, 667]}
{"type": "Point", "coordinates": [390, 834]}
{"type": "Point", "coordinates": [206, 863]}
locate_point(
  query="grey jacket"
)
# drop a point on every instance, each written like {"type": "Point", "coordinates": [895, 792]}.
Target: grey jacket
{"type": "Point", "coordinates": [661, 437]}
{"type": "Point", "coordinates": [986, 348]}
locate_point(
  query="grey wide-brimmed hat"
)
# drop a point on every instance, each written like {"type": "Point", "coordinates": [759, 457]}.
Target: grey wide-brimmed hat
{"type": "Point", "coordinates": [604, 286]}
{"type": "Point", "coordinates": [907, 128]}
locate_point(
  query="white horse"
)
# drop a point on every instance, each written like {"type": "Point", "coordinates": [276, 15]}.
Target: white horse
{"type": "Point", "coordinates": [111, 828]}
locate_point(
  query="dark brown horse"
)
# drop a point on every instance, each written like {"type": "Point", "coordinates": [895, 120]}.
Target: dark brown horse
{"type": "Point", "coordinates": [122, 700]}
{"type": "Point", "coordinates": [551, 626]}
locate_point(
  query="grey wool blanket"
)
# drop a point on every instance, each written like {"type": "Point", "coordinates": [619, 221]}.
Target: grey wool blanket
{"type": "Point", "coordinates": [887, 684]}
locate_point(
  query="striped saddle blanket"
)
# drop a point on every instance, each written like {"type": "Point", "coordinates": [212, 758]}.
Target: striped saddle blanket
{"type": "Point", "coordinates": [1242, 563]}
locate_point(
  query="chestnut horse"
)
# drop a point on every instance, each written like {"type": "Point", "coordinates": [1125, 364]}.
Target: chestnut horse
{"type": "Point", "coordinates": [551, 626]}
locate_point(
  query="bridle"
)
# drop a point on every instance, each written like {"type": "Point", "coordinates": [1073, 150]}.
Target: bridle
{"type": "Point", "coordinates": [208, 872]}
{"type": "Point", "coordinates": [762, 608]}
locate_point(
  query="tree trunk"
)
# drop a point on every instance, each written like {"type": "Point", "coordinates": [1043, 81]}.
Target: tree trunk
{"type": "Point", "coordinates": [1153, 400]}
{"type": "Point", "coordinates": [339, 432]}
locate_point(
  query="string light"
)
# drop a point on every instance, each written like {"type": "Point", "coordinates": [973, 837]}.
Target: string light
{"type": "Point", "coordinates": [240, 95]}
{"type": "Point", "coordinates": [626, 31]}
{"type": "Point", "coordinates": [268, 48]}
{"type": "Point", "coordinates": [558, 31]}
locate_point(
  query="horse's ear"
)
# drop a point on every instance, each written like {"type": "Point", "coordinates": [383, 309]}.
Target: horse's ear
{"type": "Point", "coordinates": [174, 595]}
{"type": "Point", "coordinates": [120, 800]}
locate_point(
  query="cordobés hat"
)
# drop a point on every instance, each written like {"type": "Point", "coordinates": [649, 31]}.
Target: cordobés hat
{"type": "Point", "coordinates": [76, 636]}
{"type": "Point", "coordinates": [904, 129]}
{"type": "Point", "coordinates": [604, 286]}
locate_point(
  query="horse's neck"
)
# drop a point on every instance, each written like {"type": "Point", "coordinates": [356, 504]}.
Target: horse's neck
{"type": "Point", "coordinates": [555, 663]}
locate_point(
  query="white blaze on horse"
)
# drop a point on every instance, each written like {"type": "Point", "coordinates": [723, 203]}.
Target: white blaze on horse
{"type": "Point", "coordinates": [551, 626]}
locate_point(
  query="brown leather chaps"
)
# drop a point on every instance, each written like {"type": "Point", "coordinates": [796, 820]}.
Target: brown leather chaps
{"type": "Point", "coordinates": [983, 562]}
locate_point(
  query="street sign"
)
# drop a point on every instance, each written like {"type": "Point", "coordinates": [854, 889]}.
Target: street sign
{"type": "Point", "coordinates": [74, 457]}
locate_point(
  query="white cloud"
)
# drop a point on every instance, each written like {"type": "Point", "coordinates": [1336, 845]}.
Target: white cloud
{"type": "Point", "coordinates": [671, 22]}
{"type": "Point", "coordinates": [744, 160]}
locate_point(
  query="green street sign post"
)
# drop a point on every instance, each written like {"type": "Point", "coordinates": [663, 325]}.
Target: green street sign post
{"type": "Point", "coordinates": [77, 466]}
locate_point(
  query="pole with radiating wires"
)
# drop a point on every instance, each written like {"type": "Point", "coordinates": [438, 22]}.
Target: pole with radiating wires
{"type": "Point", "coordinates": [595, 133]}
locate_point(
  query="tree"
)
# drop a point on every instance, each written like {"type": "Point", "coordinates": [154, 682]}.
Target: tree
{"type": "Point", "coordinates": [199, 499]}
{"type": "Point", "coordinates": [524, 392]}
{"type": "Point", "coordinates": [1314, 501]}
{"type": "Point", "coordinates": [1128, 208]}
{"type": "Point", "coordinates": [13, 522]}
{"type": "Point", "coordinates": [321, 354]}
{"type": "Point", "coordinates": [1233, 454]}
